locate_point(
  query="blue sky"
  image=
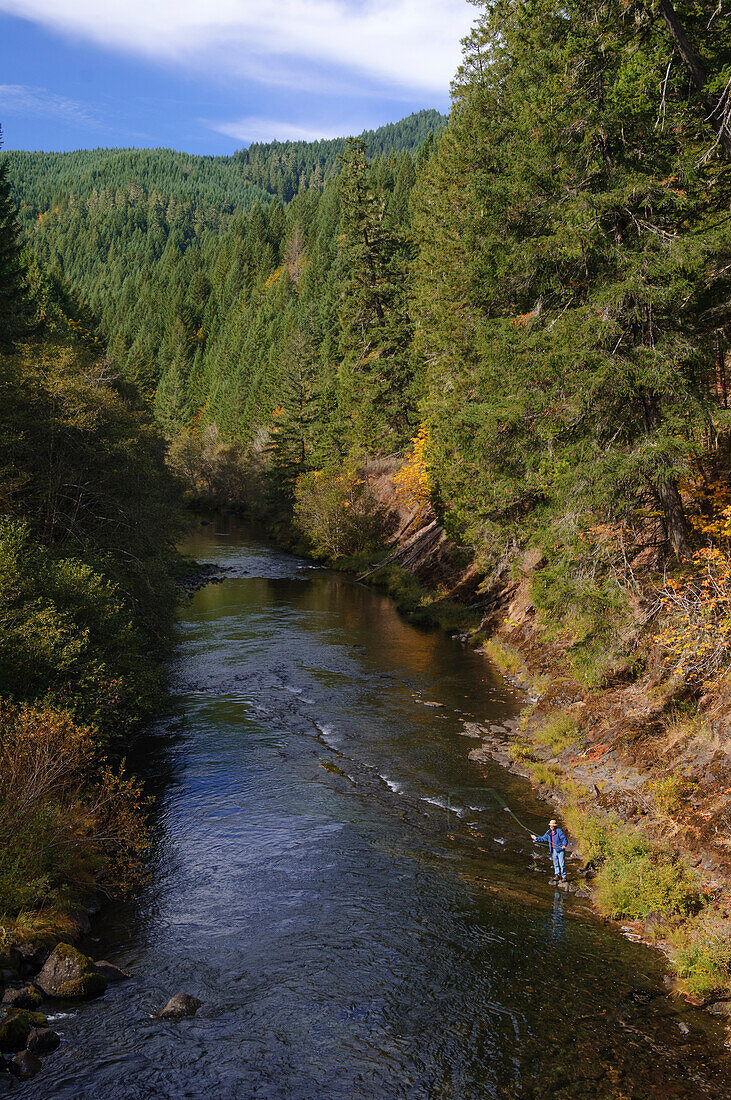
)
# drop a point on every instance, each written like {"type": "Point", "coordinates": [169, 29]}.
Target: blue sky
{"type": "Point", "coordinates": [208, 76]}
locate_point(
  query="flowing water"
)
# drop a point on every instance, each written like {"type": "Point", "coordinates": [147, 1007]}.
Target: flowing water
{"type": "Point", "coordinates": [343, 889]}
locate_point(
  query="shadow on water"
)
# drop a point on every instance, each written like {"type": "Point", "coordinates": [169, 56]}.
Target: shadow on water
{"type": "Point", "coordinates": [342, 888]}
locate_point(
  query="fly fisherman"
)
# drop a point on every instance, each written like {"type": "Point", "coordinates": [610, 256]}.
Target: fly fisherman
{"type": "Point", "coordinates": [556, 840]}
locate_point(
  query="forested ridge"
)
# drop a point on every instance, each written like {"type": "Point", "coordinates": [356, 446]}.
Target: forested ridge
{"type": "Point", "coordinates": [529, 308]}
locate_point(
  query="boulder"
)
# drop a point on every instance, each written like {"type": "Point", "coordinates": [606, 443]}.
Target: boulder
{"type": "Point", "coordinates": [15, 1025]}
{"type": "Point", "coordinates": [111, 972]}
{"type": "Point", "coordinates": [32, 957]}
{"type": "Point", "coordinates": [42, 1040]}
{"type": "Point", "coordinates": [25, 997]}
{"type": "Point", "coordinates": [25, 1065]}
{"type": "Point", "coordinates": [68, 973]}
{"type": "Point", "coordinates": [720, 1008]}
{"type": "Point", "coordinates": [182, 1004]}
{"type": "Point", "coordinates": [10, 962]}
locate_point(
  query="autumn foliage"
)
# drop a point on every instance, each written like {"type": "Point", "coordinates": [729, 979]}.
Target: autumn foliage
{"type": "Point", "coordinates": [696, 601]}
{"type": "Point", "coordinates": [68, 821]}
{"type": "Point", "coordinates": [412, 481]}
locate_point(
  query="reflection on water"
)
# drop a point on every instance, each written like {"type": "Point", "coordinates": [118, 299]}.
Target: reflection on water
{"type": "Point", "coordinates": [343, 888]}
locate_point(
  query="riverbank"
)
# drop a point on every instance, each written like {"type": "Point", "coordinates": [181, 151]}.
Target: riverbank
{"type": "Point", "coordinates": [637, 764]}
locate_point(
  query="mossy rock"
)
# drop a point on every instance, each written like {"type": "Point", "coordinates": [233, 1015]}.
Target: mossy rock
{"type": "Point", "coordinates": [15, 1026]}
{"type": "Point", "coordinates": [69, 974]}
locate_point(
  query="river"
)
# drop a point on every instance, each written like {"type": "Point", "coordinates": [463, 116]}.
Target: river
{"type": "Point", "coordinates": [342, 887]}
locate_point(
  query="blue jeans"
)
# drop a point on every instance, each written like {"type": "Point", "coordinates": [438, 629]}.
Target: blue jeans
{"type": "Point", "coordinates": [559, 863]}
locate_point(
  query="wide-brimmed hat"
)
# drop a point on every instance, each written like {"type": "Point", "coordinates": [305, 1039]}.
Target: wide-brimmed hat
{"type": "Point", "coordinates": [553, 824]}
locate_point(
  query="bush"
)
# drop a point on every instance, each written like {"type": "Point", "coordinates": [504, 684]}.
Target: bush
{"type": "Point", "coordinates": [66, 635]}
{"type": "Point", "coordinates": [67, 821]}
{"type": "Point", "coordinates": [337, 513]}
{"type": "Point", "coordinates": [671, 791]}
{"type": "Point", "coordinates": [639, 878]}
{"type": "Point", "coordinates": [702, 961]}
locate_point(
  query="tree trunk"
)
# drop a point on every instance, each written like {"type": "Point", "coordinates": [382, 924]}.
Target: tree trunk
{"type": "Point", "coordinates": [717, 110]}
{"type": "Point", "coordinates": [676, 523]}
{"type": "Point", "coordinates": [664, 487]}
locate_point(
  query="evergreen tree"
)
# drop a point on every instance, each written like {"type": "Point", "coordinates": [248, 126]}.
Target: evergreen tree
{"type": "Point", "coordinates": [15, 304]}
{"type": "Point", "coordinates": [374, 325]}
{"type": "Point", "coordinates": [570, 285]}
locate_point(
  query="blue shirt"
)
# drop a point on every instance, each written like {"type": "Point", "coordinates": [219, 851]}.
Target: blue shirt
{"type": "Point", "coordinates": [559, 839]}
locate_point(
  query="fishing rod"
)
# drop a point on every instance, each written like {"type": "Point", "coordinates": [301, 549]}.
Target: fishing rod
{"type": "Point", "coordinates": [501, 802]}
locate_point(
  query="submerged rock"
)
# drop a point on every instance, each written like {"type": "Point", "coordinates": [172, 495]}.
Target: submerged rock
{"type": "Point", "coordinates": [42, 1040]}
{"type": "Point", "coordinates": [111, 972]}
{"type": "Point", "coordinates": [25, 1065]}
{"type": "Point", "coordinates": [182, 1004]}
{"type": "Point", "coordinates": [68, 973]}
{"type": "Point", "coordinates": [15, 1026]}
{"type": "Point", "coordinates": [26, 997]}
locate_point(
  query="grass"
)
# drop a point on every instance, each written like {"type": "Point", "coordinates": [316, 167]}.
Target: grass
{"type": "Point", "coordinates": [544, 775]}
{"type": "Point", "coordinates": [507, 658]}
{"type": "Point", "coordinates": [558, 731]}
{"type": "Point", "coordinates": [671, 792]}
{"type": "Point", "coordinates": [636, 875]}
{"type": "Point", "coordinates": [702, 956]}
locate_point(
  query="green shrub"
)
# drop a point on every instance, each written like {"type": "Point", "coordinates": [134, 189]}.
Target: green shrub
{"type": "Point", "coordinates": [702, 961]}
{"type": "Point", "coordinates": [521, 751]}
{"type": "Point", "coordinates": [639, 878]}
{"type": "Point", "coordinates": [67, 635]}
{"type": "Point", "coordinates": [337, 513]}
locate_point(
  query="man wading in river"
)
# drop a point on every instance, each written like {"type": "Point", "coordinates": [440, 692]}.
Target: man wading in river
{"type": "Point", "coordinates": [556, 840]}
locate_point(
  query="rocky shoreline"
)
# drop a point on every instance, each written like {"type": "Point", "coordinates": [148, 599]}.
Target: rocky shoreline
{"type": "Point", "coordinates": [40, 980]}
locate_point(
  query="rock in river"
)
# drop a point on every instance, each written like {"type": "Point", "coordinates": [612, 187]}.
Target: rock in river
{"type": "Point", "coordinates": [42, 1040]}
{"type": "Point", "coordinates": [26, 997]}
{"type": "Point", "coordinates": [182, 1004]}
{"type": "Point", "coordinates": [25, 1065]}
{"type": "Point", "coordinates": [15, 1025]}
{"type": "Point", "coordinates": [68, 973]}
{"type": "Point", "coordinates": [111, 972]}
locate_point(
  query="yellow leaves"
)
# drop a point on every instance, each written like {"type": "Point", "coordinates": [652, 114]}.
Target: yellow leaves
{"type": "Point", "coordinates": [273, 278]}
{"type": "Point", "coordinates": [412, 480]}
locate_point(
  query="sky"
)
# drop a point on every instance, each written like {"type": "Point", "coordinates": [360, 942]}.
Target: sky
{"type": "Point", "coordinates": [208, 76]}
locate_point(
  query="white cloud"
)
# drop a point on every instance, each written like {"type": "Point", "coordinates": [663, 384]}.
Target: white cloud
{"type": "Point", "coordinates": [411, 44]}
{"type": "Point", "coordinates": [271, 129]}
{"type": "Point", "coordinates": [20, 99]}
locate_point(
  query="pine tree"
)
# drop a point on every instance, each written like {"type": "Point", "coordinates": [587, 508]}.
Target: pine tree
{"type": "Point", "coordinates": [15, 304]}
{"type": "Point", "coordinates": [570, 286]}
{"type": "Point", "coordinates": [374, 325]}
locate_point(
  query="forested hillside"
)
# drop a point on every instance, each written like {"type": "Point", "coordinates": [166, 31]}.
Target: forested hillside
{"type": "Point", "coordinates": [161, 245]}
{"type": "Point", "coordinates": [529, 311]}
{"type": "Point", "coordinates": [89, 517]}
{"type": "Point", "coordinates": [544, 289]}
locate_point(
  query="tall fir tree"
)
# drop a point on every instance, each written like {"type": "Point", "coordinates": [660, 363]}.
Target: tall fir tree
{"type": "Point", "coordinates": [375, 370]}
{"type": "Point", "coordinates": [16, 309]}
